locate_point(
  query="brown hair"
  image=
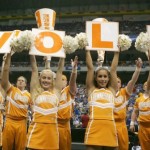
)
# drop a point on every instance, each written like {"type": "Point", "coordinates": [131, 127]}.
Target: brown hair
{"type": "Point", "coordinates": [97, 70]}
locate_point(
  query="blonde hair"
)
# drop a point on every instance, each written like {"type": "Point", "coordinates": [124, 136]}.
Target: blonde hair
{"type": "Point", "coordinates": [47, 70]}
{"type": "Point", "coordinates": [40, 89]}
{"type": "Point", "coordinates": [145, 84]}
{"type": "Point", "coordinates": [64, 77]}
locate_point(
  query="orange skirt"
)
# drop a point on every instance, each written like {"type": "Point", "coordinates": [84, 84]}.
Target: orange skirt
{"type": "Point", "coordinates": [43, 136]}
{"type": "Point", "coordinates": [144, 135]}
{"type": "Point", "coordinates": [122, 132]}
{"type": "Point", "coordinates": [101, 133]}
{"type": "Point", "coordinates": [64, 135]}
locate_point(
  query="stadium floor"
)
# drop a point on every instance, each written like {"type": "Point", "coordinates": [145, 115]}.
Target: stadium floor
{"type": "Point", "coordinates": [78, 146]}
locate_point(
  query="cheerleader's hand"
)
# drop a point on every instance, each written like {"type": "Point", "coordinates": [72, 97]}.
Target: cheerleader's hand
{"type": "Point", "coordinates": [74, 63]}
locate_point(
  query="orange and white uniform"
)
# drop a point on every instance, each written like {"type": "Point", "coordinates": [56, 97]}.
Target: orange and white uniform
{"type": "Point", "coordinates": [143, 105]}
{"type": "Point", "coordinates": [101, 129]}
{"type": "Point", "coordinates": [65, 111]}
{"type": "Point", "coordinates": [16, 115]}
{"type": "Point", "coordinates": [121, 101]}
{"type": "Point", "coordinates": [44, 123]}
{"type": "Point", "coordinates": [1, 118]}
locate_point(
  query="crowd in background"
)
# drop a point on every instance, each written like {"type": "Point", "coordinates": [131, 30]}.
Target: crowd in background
{"type": "Point", "coordinates": [81, 64]}
{"type": "Point", "coordinates": [126, 27]}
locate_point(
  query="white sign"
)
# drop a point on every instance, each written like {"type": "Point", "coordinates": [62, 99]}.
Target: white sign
{"type": "Point", "coordinates": [5, 38]}
{"type": "Point", "coordinates": [48, 43]}
{"type": "Point", "coordinates": [102, 35]}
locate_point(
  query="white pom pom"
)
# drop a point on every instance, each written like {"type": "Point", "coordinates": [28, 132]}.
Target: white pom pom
{"type": "Point", "coordinates": [15, 45]}
{"type": "Point", "coordinates": [70, 44]}
{"type": "Point", "coordinates": [82, 40]}
{"type": "Point", "coordinates": [124, 42]}
{"type": "Point", "coordinates": [23, 41]}
{"type": "Point", "coordinates": [142, 42]}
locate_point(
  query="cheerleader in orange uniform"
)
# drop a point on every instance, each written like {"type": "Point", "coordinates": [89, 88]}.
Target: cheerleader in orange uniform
{"type": "Point", "coordinates": [101, 130]}
{"type": "Point", "coordinates": [43, 130]}
{"type": "Point", "coordinates": [2, 107]}
{"type": "Point", "coordinates": [65, 108]}
{"type": "Point", "coordinates": [17, 103]}
{"type": "Point", "coordinates": [121, 100]}
{"type": "Point", "coordinates": [142, 111]}
{"type": "Point", "coordinates": [1, 114]}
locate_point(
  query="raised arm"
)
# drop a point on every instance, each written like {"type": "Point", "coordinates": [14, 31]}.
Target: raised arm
{"type": "Point", "coordinates": [90, 72]}
{"type": "Point", "coordinates": [2, 92]}
{"type": "Point", "coordinates": [73, 77]}
{"type": "Point", "coordinates": [34, 76]}
{"type": "Point", "coordinates": [1, 89]}
{"type": "Point", "coordinates": [148, 79]}
{"type": "Point", "coordinates": [5, 72]}
{"type": "Point", "coordinates": [133, 119]}
{"type": "Point", "coordinates": [58, 82]}
{"type": "Point", "coordinates": [113, 73]}
{"type": "Point", "coordinates": [135, 76]}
